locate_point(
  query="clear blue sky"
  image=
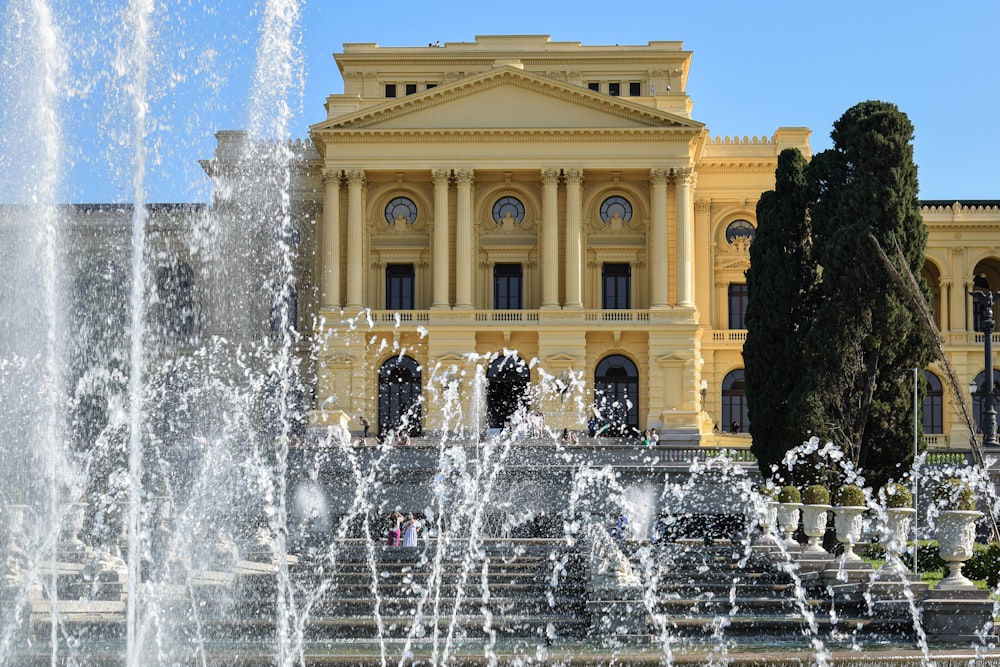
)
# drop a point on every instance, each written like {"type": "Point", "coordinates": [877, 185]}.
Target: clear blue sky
{"type": "Point", "coordinates": [756, 66]}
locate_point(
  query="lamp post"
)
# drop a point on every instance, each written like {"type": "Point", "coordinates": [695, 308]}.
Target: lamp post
{"type": "Point", "coordinates": [987, 391]}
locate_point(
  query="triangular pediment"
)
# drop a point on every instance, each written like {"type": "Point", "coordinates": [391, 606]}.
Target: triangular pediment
{"type": "Point", "coordinates": [509, 98]}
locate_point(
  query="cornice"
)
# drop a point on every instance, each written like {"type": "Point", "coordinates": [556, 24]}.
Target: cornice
{"type": "Point", "coordinates": [375, 136]}
{"type": "Point", "coordinates": [761, 167]}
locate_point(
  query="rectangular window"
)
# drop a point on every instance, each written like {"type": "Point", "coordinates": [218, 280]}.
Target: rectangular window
{"type": "Point", "coordinates": [399, 280]}
{"type": "Point", "coordinates": [507, 282]}
{"type": "Point", "coordinates": [431, 85]}
{"type": "Point", "coordinates": [737, 305]}
{"type": "Point", "coordinates": [594, 86]}
{"type": "Point", "coordinates": [616, 286]}
{"type": "Point", "coordinates": [634, 89]}
{"type": "Point", "coordinates": [411, 88]}
{"type": "Point", "coordinates": [390, 90]}
{"type": "Point", "coordinates": [614, 89]}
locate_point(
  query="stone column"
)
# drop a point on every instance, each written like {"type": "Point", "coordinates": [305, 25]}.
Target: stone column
{"type": "Point", "coordinates": [550, 238]}
{"type": "Point", "coordinates": [463, 240]}
{"type": "Point", "coordinates": [440, 269]}
{"type": "Point", "coordinates": [331, 240]}
{"type": "Point", "coordinates": [685, 236]}
{"type": "Point", "coordinates": [355, 237]}
{"type": "Point", "coordinates": [574, 238]}
{"type": "Point", "coordinates": [657, 252]}
{"type": "Point", "coordinates": [703, 268]}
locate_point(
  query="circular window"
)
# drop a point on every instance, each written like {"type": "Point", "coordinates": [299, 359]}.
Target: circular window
{"type": "Point", "coordinates": [508, 207]}
{"type": "Point", "coordinates": [616, 208]}
{"type": "Point", "coordinates": [401, 207]}
{"type": "Point", "coordinates": [739, 229]}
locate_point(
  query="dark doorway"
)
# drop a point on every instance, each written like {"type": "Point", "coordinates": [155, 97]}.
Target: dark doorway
{"type": "Point", "coordinates": [399, 396]}
{"type": "Point", "coordinates": [506, 389]}
{"type": "Point", "coordinates": [616, 396]}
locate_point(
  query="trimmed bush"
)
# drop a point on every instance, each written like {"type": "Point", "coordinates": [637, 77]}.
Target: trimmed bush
{"type": "Point", "coordinates": [789, 494]}
{"type": "Point", "coordinates": [984, 564]}
{"type": "Point", "coordinates": [817, 494]}
{"type": "Point", "coordinates": [896, 495]}
{"type": "Point", "coordinates": [768, 492]}
{"type": "Point", "coordinates": [849, 495]}
{"type": "Point", "coordinates": [955, 494]}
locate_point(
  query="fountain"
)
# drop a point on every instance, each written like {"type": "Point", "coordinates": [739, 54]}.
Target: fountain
{"type": "Point", "coordinates": [165, 502]}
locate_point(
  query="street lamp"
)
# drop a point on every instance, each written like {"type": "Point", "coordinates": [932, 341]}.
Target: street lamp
{"type": "Point", "coordinates": [987, 390]}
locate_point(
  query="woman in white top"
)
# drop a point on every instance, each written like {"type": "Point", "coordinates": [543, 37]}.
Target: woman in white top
{"type": "Point", "coordinates": [410, 529]}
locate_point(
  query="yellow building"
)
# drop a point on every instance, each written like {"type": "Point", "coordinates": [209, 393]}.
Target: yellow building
{"type": "Point", "coordinates": [558, 200]}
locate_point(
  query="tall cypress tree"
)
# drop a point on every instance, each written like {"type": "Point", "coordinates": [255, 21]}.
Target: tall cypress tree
{"type": "Point", "coordinates": [865, 335]}
{"type": "Point", "coordinates": [834, 363]}
{"type": "Point", "coordinates": [781, 285]}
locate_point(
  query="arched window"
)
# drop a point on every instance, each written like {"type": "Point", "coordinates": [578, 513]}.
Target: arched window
{"type": "Point", "coordinates": [616, 210]}
{"type": "Point", "coordinates": [977, 398]}
{"type": "Point", "coordinates": [506, 389]}
{"type": "Point", "coordinates": [735, 417]}
{"type": "Point", "coordinates": [285, 308]}
{"type": "Point", "coordinates": [932, 410]}
{"type": "Point", "coordinates": [740, 229]}
{"type": "Point", "coordinates": [508, 208]}
{"type": "Point", "coordinates": [175, 292]}
{"type": "Point", "coordinates": [399, 396]}
{"type": "Point", "coordinates": [616, 396]}
{"type": "Point", "coordinates": [401, 209]}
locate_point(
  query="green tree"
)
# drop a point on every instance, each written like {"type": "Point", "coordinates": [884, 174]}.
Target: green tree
{"type": "Point", "coordinates": [866, 334]}
{"type": "Point", "coordinates": [781, 284]}
{"type": "Point", "coordinates": [862, 336]}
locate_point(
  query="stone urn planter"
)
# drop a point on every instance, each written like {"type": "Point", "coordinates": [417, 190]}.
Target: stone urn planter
{"type": "Point", "coordinates": [849, 522]}
{"type": "Point", "coordinates": [956, 530]}
{"type": "Point", "coordinates": [956, 533]}
{"type": "Point", "coordinates": [816, 504]}
{"type": "Point", "coordinates": [899, 515]}
{"type": "Point", "coordinates": [897, 527]}
{"type": "Point", "coordinates": [787, 514]}
{"type": "Point", "coordinates": [848, 518]}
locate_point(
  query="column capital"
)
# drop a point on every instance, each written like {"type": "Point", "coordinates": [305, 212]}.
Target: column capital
{"type": "Point", "coordinates": [332, 175]}
{"type": "Point", "coordinates": [658, 175]}
{"type": "Point", "coordinates": [574, 175]}
{"type": "Point", "coordinates": [440, 176]}
{"type": "Point", "coordinates": [550, 175]}
{"type": "Point", "coordinates": [464, 176]}
{"type": "Point", "coordinates": [702, 206]}
{"type": "Point", "coordinates": [684, 176]}
{"type": "Point", "coordinates": [355, 176]}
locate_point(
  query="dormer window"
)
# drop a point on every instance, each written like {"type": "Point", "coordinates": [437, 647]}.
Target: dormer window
{"type": "Point", "coordinates": [390, 90]}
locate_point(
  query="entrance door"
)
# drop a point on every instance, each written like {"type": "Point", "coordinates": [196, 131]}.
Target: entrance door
{"type": "Point", "coordinates": [399, 387]}
{"type": "Point", "coordinates": [616, 396]}
{"type": "Point", "coordinates": [506, 389]}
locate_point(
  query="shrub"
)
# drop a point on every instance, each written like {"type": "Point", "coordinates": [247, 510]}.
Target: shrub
{"type": "Point", "coordinates": [896, 495]}
{"type": "Point", "coordinates": [789, 494]}
{"type": "Point", "coordinates": [984, 564]}
{"type": "Point", "coordinates": [954, 494]}
{"type": "Point", "coordinates": [817, 494]}
{"type": "Point", "coordinates": [849, 495]}
{"type": "Point", "coordinates": [929, 557]}
{"type": "Point", "coordinates": [769, 492]}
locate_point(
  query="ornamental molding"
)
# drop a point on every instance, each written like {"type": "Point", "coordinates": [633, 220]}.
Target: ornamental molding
{"type": "Point", "coordinates": [737, 167]}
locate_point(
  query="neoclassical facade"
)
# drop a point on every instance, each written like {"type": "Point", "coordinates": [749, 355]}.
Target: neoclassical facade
{"type": "Point", "coordinates": [490, 218]}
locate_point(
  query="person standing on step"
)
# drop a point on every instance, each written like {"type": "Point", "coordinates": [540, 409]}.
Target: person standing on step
{"type": "Point", "coordinates": [410, 529]}
{"type": "Point", "coordinates": [395, 528]}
